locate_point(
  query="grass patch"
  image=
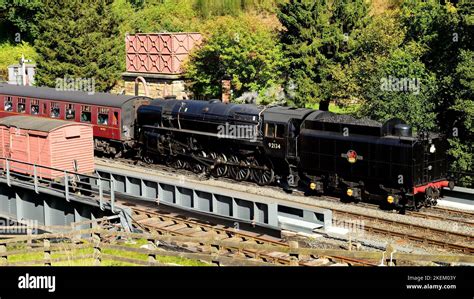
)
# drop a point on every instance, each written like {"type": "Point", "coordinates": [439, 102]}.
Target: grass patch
{"type": "Point", "coordinates": [161, 259]}
{"type": "Point", "coordinates": [24, 257]}
{"type": "Point", "coordinates": [11, 54]}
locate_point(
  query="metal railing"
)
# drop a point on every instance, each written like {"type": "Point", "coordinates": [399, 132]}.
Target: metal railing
{"type": "Point", "coordinates": [69, 182]}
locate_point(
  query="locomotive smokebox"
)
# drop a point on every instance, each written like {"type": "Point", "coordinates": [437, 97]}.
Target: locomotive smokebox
{"type": "Point", "coordinates": [402, 130]}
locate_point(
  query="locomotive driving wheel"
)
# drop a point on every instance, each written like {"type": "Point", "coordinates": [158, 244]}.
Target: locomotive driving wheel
{"type": "Point", "coordinates": [263, 176]}
{"type": "Point", "coordinates": [239, 173]}
{"type": "Point", "coordinates": [146, 157]}
{"type": "Point", "coordinates": [220, 169]}
{"type": "Point", "coordinates": [197, 166]}
{"type": "Point", "coordinates": [180, 163]}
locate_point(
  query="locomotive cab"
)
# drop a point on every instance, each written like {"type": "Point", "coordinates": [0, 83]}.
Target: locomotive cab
{"type": "Point", "coordinates": [281, 130]}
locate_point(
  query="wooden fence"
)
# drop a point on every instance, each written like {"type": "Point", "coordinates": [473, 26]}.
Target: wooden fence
{"type": "Point", "coordinates": [99, 239]}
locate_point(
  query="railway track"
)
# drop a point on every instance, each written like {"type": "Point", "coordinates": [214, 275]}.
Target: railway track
{"type": "Point", "coordinates": [413, 232]}
{"type": "Point", "coordinates": [432, 213]}
{"type": "Point", "coordinates": [456, 213]}
{"type": "Point", "coordinates": [444, 214]}
{"type": "Point", "coordinates": [150, 220]}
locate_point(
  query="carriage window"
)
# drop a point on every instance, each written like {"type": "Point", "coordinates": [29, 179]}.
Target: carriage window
{"type": "Point", "coordinates": [86, 114]}
{"type": "Point", "coordinates": [280, 131]}
{"type": "Point", "coordinates": [70, 112]}
{"type": "Point", "coordinates": [55, 110]}
{"type": "Point", "coordinates": [34, 107]}
{"type": "Point", "coordinates": [103, 116]}
{"type": "Point", "coordinates": [270, 130]}
{"type": "Point", "coordinates": [115, 118]}
{"type": "Point", "coordinates": [8, 104]}
{"type": "Point", "coordinates": [21, 105]}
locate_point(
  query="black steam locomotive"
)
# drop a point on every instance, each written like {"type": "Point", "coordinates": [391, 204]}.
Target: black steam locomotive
{"type": "Point", "coordinates": [317, 150]}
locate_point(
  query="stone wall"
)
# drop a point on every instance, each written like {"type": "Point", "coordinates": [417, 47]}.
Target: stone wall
{"type": "Point", "coordinates": [157, 87]}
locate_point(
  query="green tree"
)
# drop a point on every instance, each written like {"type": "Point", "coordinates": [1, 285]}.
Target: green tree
{"type": "Point", "coordinates": [436, 27]}
{"type": "Point", "coordinates": [78, 39]}
{"type": "Point", "coordinates": [319, 39]}
{"type": "Point", "coordinates": [402, 87]}
{"type": "Point", "coordinates": [462, 136]}
{"type": "Point", "coordinates": [11, 53]}
{"type": "Point", "coordinates": [375, 43]}
{"type": "Point", "coordinates": [21, 15]}
{"type": "Point", "coordinates": [446, 30]}
{"type": "Point", "coordinates": [241, 48]}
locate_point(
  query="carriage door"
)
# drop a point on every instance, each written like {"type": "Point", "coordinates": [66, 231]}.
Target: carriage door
{"type": "Point", "coordinates": [19, 149]}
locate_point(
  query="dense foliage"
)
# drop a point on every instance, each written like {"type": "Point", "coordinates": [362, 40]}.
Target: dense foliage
{"type": "Point", "coordinates": [11, 54]}
{"type": "Point", "coordinates": [20, 16]}
{"type": "Point", "coordinates": [239, 48]}
{"type": "Point", "coordinates": [414, 63]}
{"type": "Point", "coordinates": [318, 38]}
{"type": "Point", "coordinates": [446, 31]}
{"type": "Point", "coordinates": [78, 39]}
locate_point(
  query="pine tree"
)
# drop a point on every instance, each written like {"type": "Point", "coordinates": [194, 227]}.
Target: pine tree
{"type": "Point", "coordinates": [78, 39]}
{"type": "Point", "coordinates": [319, 36]}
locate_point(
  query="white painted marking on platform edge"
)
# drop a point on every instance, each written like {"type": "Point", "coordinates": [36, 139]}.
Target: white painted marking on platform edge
{"type": "Point", "coordinates": [337, 230]}
{"type": "Point", "coordinates": [457, 205]}
{"type": "Point", "coordinates": [302, 234]}
{"type": "Point", "coordinates": [298, 223]}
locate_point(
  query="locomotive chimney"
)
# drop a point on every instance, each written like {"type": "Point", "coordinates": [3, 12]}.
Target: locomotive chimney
{"type": "Point", "coordinates": [226, 89]}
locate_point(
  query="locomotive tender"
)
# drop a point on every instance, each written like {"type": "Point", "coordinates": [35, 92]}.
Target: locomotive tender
{"type": "Point", "coordinates": [317, 150]}
{"type": "Point", "coordinates": [295, 146]}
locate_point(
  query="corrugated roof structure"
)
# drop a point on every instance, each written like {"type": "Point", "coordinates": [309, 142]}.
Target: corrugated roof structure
{"type": "Point", "coordinates": [47, 93]}
{"type": "Point", "coordinates": [35, 123]}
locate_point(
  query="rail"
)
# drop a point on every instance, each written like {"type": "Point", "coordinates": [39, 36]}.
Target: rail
{"type": "Point", "coordinates": [69, 182]}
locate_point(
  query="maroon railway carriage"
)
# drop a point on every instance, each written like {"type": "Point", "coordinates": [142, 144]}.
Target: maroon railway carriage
{"type": "Point", "coordinates": [112, 116]}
